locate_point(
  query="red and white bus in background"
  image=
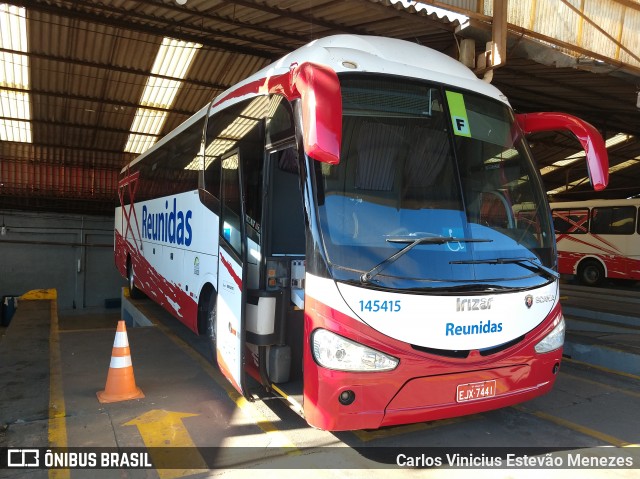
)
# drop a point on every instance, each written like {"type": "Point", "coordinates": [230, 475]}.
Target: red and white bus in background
{"type": "Point", "coordinates": [598, 239]}
{"type": "Point", "coordinates": [340, 225]}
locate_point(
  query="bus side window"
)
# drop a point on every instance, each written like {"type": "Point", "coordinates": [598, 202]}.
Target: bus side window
{"type": "Point", "coordinates": [210, 194]}
{"type": "Point", "coordinates": [239, 126]}
{"type": "Point", "coordinates": [574, 221]}
{"type": "Point", "coordinates": [287, 232]}
{"type": "Point", "coordinates": [252, 152]}
{"type": "Point", "coordinates": [232, 207]}
{"type": "Point", "coordinates": [617, 220]}
{"type": "Point", "coordinates": [279, 121]}
{"type": "Point", "coordinates": [212, 175]}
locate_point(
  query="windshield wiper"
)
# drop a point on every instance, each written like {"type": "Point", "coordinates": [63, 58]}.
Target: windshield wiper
{"type": "Point", "coordinates": [528, 263]}
{"type": "Point", "coordinates": [413, 242]}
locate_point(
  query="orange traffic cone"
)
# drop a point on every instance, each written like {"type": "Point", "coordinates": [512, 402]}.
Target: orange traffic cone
{"type": "Point", "coordinates": [121, 385]}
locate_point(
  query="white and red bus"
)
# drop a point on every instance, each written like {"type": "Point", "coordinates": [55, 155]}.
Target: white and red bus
{"type": "Point", "coordinates": [340, 226]}
{"type": "Point", "coordinates": [598, 239]}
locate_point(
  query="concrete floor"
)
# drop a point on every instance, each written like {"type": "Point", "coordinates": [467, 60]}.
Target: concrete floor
{"type": "Point", "coordinates": [51, 369]}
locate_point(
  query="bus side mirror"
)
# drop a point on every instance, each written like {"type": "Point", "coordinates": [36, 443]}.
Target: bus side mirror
{"type": "Point", "coordinates": [319, 91]}
{"type": "Point", "coordinates": [589, 137]}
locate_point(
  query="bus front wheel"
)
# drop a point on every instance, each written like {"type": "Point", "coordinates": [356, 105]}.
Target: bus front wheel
{"type": "Point", "coordinates": [591, 273]}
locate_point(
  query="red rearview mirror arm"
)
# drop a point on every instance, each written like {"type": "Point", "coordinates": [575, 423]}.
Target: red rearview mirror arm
{"type": "Point", "coordinates": [587, 135]}
{"type": "Point", "coordinates": [321, 99]}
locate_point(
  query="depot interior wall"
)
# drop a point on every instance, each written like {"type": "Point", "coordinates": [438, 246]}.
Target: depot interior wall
{"type": "Point", "coordinates": [71, 253]}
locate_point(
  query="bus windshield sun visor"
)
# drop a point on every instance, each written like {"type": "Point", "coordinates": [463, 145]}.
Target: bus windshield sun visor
{"type": "Point", "coordinates": [413, 242]}
{"type": "Point", "coordinates": [528, 263]}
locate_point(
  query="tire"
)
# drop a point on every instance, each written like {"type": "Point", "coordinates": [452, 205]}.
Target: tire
{"type": "Point", "coordinates": [134, 292]}
{"type": "Point", "coordinates": [590, 273]}
{"type": "Point", "coordinates": [211, 319]}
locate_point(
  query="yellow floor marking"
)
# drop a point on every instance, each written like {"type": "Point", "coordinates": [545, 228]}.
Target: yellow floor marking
{"type": "Point", "coordinates": [576, 427]}
{"type": "Point", "coordinates": [57, 409]}
{"type": "Point", "coordinates": [164, 430]}
{"type": "Point", "coordinates": [83, 330]}
{"type": "Point", "coordinates": [423, 426]}
{"type": "Point", "coordinates": [278, 439]}
{"type": "Point", "coordinates": [292, 402]}
{"type": "Point", "coordinates": [36, 294]}
{"type": "Point", "coordinates": [603, 385]}
{"type": "Point", "coordinates": [602, 368]}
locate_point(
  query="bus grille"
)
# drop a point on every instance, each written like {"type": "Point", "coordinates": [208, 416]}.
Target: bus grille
{"type": "Point", "coordinates": [464, 353]}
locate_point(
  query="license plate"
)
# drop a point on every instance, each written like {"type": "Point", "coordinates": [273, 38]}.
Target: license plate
{"type": "Point", "coordinates": [476, 391]}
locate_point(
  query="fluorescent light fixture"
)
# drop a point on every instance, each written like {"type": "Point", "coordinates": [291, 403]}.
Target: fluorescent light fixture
{"type": "Point", "coordinates": [228, 137]}
{"type": "Point", "coordinates": [624, 164]}
{"type": "Point", "coordinates": [505, 155]}
{"type": "Point", "coordinates": [619, 138]}
{"type": "Point", "coordinates": [15, 110]}
{"type": "Point", "coordinates": [614, 140]}
{"type": "Point", "coordinates": [172, 60]}
{"type": "Point", "coordinates": [568, 187]}
{"type": "Point", "coordinates": [612, 169]}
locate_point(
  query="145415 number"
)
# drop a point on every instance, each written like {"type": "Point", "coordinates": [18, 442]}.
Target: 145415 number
{"type": "Point", "coordinates": [376, 306]}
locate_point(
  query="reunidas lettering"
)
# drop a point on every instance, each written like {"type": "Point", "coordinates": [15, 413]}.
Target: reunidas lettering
{"type": "Point", "coordinates": [171, 226]}
{"type": "Point", "coordinates": [481, 328]}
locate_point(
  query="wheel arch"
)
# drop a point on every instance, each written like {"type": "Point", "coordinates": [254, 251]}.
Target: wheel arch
{"type": "Point", "coordinates": [207, 291]}
{"type": "Point", "coordinates": [591, 271]}
{"type": "Point", "coordinates": [585, 259]}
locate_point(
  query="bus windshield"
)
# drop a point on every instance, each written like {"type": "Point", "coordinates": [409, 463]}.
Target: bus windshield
{"type": "Point", "coordinates": [435, 189]}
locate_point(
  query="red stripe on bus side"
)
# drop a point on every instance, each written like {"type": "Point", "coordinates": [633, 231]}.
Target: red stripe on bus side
{"type": "Point", "coordinates": [229, 268]}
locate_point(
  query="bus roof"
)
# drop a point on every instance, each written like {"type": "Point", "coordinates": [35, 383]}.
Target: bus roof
{"type": "Point", "coordinates": [360, 53]}
{"type": "Point", "coordinates": [353, 53]}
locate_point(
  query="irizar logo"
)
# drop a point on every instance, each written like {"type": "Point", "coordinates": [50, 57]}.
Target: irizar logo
{"type": "Point", "coordinates": [473, 304]}
{"type": "Point", "coordinates": [171, 226]}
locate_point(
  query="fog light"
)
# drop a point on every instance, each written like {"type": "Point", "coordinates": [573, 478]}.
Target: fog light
{"type": "Point", "coordinates": [347, 397]}
{"type": "Point", "coordinates": [556, 367]}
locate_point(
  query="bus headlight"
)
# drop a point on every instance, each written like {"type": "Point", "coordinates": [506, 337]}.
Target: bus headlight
{"type": "Point", "coordinates": [335, 352]}
{"type": "Point", "coordinates": [553, 340]}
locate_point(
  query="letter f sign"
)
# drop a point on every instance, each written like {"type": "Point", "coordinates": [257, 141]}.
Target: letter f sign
{"type": "Point", "coordinates": [461, 126]}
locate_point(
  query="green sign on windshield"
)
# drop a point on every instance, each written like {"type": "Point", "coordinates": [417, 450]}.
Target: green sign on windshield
{"type": "Point", "coordinates": [459, 118]}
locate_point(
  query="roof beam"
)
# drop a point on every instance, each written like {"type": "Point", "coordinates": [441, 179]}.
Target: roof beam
{"type": "Point", "coordinates": [80, 126]}
{"type": "Point", "coordinates": [207, 15]}
{"type": "Point", "coordinates": [281, 12]}
{"type": "Point", "coordinates": [125, 157]}
{"type": "Point", "coordinates": [156, 30]}
{"type": "Point", "coordinates": [115, 68]}
{"type": "Point", "coordinates": [58, 164]}
{"type": "Point", "coordinates": [549, 80]}
{"type": "Point", "coordinates": [109, 101]}
{"type": "Point", "coordinates": [622, 120]}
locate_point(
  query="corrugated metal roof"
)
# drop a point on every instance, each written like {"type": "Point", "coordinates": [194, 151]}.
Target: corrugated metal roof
{"type": "Point", "coordinates": [90, 60]}
{"type": "Point", "coordinates": [607, 29]}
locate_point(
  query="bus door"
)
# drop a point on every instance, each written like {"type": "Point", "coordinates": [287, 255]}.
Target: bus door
{"type": "Point", "coordinates": [285, 259]}
{"type": "Point", "coordinates": [232, 274]}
